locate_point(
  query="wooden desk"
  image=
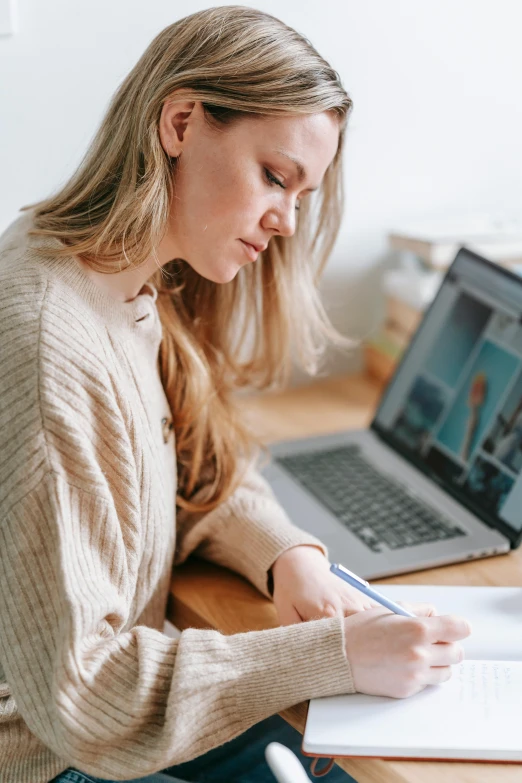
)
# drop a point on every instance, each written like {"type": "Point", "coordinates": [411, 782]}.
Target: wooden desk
{"type": "Point", "coordinates": [205, 596]}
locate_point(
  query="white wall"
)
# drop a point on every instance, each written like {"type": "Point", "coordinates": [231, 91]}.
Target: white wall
{"type": "Point", "coordinates": [436, 128]}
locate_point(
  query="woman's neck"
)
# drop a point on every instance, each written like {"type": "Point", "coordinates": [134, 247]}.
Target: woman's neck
{"type": "Point", "coordinates": [126, 285]}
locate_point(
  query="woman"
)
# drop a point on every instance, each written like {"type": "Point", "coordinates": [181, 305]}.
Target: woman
{"type": "Point", "coordinates": [172, 268]}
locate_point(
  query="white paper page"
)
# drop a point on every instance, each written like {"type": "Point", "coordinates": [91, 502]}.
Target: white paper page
{"type": "Point", "coordinates": [494, 612]}
{"type": "Point", "coordinates": [474, 715]}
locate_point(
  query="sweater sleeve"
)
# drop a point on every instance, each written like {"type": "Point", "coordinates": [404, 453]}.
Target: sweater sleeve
{"type": "Point", "coordinates": [246, 533]}
{"type": "Point", "coordinates": [120, 701]}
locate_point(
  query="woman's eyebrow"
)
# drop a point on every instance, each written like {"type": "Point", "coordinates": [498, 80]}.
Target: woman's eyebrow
{"type": "Point", "coordinates": [301, 172]}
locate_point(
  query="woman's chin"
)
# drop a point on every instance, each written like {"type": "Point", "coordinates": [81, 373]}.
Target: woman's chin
{"type": "Point", "coordinates": [217, 272]}
{"type": "Point", "coordinates": [222, 274]}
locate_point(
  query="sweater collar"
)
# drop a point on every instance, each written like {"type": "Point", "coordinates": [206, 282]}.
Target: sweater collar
{"type": "Point", "coordinates": [131, 315]}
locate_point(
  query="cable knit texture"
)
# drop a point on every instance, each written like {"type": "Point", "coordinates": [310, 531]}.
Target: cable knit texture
{"type": "Point", "coordinates": [88, 540]}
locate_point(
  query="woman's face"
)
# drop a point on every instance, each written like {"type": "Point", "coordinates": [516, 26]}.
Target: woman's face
{"type": "Point", "coordinates": [238, 186]}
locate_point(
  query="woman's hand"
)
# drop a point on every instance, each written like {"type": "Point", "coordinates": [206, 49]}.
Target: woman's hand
{"type": "Point", "coordinates": [397, 656]}
{"type": "Point", "coordinates": [305, 588]}
{"type": "Point", "coordinates": [390, 655]}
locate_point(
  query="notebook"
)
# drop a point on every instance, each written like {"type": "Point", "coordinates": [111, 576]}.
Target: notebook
{"type": "Point", "coordinates": [474, 716]}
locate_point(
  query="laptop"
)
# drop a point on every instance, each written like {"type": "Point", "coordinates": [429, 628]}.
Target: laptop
{"type": "Point", "coordinates": [437, 477]}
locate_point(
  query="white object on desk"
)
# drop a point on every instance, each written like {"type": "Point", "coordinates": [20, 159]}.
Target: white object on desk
{"type": "Point", "coordinates": [473, 716]}
{"type": "Point", "coordinates": [284, 764]}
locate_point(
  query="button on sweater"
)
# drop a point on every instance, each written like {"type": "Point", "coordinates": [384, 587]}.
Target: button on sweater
{"type": "Point", "coordinates": [89, 538]}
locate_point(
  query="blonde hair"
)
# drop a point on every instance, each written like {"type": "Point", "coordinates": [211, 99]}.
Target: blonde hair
{"type": "Point", "coordinates": [216, 338]}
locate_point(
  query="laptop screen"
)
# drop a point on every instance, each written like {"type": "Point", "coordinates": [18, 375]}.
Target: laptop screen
{"type": "Point", "coordinates": [454, 405]}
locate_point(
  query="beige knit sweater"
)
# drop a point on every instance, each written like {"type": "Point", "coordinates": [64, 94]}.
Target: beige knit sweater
{"type": "Point", "coordinates": [88, 539]}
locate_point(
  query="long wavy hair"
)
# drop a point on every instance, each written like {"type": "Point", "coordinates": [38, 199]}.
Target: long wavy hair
{"type": "Point", "coordinates": [216, 338]}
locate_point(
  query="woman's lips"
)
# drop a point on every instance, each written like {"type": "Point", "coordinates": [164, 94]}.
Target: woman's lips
{"type": "Point", "coordinates": [250, 250]}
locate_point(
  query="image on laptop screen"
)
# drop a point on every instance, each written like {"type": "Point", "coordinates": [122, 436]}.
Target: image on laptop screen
{"type": "Point", "coordinates": [454, 407]}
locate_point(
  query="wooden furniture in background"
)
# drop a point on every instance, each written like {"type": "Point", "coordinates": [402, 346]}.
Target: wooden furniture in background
{"type": "Point", "coordinates": [206, 596]}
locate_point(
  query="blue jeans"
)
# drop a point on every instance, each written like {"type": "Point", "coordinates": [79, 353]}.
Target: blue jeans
{"type": "Point", "coordinates": [75, 776]}
{"type": "Point", "coordinates": [240, 761]}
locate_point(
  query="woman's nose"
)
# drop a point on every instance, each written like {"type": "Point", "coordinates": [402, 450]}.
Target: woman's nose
{"type": "Point", "coordinates": [282, 221]}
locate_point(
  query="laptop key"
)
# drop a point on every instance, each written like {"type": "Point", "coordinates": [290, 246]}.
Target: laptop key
{"type": "Point", "coordinates": [375, 508]}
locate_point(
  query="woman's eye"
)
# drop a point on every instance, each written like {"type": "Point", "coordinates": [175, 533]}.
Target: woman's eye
{"type": "Point", "coordinates": [273, 180]}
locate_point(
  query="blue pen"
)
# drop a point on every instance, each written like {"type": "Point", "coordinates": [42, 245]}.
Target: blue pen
{"type": "Point", "coordinates": [364, 587]}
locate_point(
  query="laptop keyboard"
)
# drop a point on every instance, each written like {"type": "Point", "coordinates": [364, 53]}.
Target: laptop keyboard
{"type": "Point", "coordinates": [374, 507]}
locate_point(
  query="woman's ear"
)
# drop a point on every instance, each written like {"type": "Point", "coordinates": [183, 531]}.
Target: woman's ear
{"type": "Point", "coordinates": [174, 122]}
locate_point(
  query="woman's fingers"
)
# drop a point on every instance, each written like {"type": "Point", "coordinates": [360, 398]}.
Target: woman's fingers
{"type": "Point", "coordinates": [438, 675]}
{"type": "Point", "coordinates": [446, 654]}
{"type": "Point", "coordinates": [447, 628]}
